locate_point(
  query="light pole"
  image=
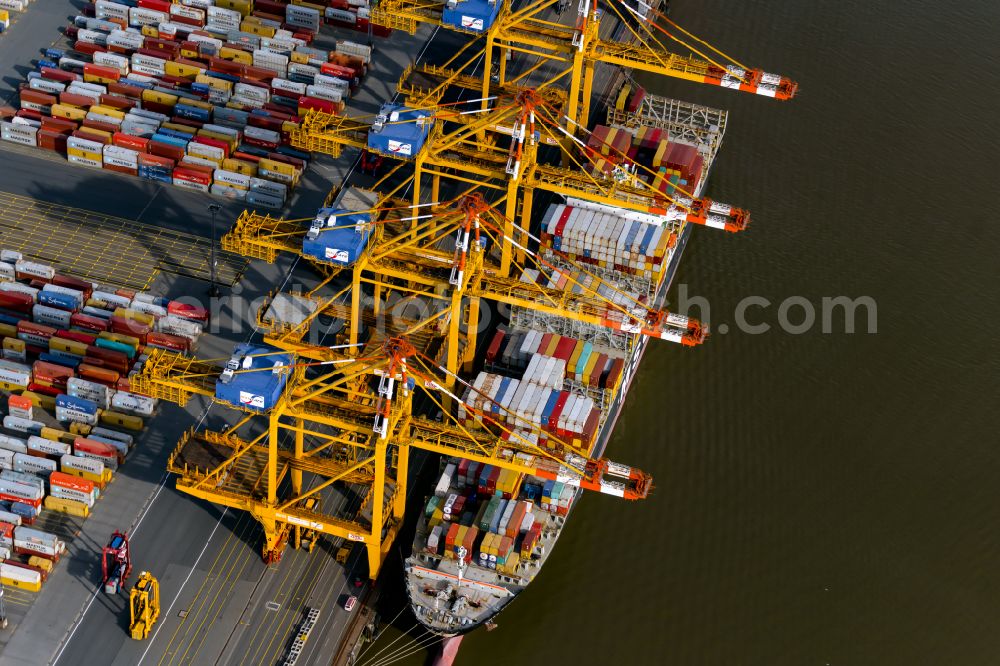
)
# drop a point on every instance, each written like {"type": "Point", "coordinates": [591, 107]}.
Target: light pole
{"type": "Point", "coordinates": [214, 208]}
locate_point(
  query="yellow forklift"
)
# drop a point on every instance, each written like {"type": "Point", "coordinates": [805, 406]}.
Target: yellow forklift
{"type": "Point", "coordinates": [144, 602]}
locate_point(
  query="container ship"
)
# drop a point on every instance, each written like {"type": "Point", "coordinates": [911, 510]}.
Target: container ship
{"type": "Point", "coordinates": [485, 532]}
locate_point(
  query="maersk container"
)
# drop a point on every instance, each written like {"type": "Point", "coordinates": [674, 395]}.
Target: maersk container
{"type": "Point", "coordinates": [13, 444]}
{"type": "Point", "coordinates": [48, 446]}
{"type": "Point", "coordinates": [130, 403]}
{"type": "Point", "coordinates": [37, 542]}
{"type": "Point", "coordinates": [25, 426]}
{"type": "Point", "coordinates": [30, 464]}
{"type": "Point", "coordinates": [125, 438]}
{"type": "Point", "coordinates": [18, 486]}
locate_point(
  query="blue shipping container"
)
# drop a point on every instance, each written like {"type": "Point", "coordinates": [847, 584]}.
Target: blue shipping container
{"type": "Point", "coordinates": [83, 405]}
{"type": "Point", "coordinates": [60, 300]}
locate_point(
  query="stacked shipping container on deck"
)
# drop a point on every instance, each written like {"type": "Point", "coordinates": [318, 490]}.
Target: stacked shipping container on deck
{"type": "Point", "coordinates": [198, 95]}
{"type": "Point", "coordinates": [489, 511]}
{"type": "Point", "coordinates": [664, 165]}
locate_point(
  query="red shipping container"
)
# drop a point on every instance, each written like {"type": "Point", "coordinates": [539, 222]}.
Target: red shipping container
{"type": "Point", "coordinates": [118, 102]}
{"type": "Point", "coordinates": [37, 97]}
{"type": "Point", "coordinates": [82, 133]}
{"type": "Point", "coordinates": [76, 336]}
{"type": "Point", "coordinates": [60, 75]}
{"type": "Point", "coordinates": [186, 174]}
{"type": "Point", "coordinates": [257, 73]}
{"type": "Point", "coordinates": [72, 99]}
{"type": "Point", "coordinates": [88, 323]}
{"type": "Point", "coordinates": [158, 5]}
{"type": "Point", "coordinates": [31, 114]}
{"type": "Point", "coordinates": [145, 159]}
{"type": "Point", "coordinates": [58, 125]}
{"type": "Point", "coordinates": [248, 157]}
{"type": "Point", "coordinates": [100, 126]}
{"type": "Point", "coordinates": [131, 142]}
{"type": "Point", "coordinates": [16, 301]}
{"type": "Point", "coordinates": [73, 283]}
{"type": "Point", "coordinates": [227, 67]}
{"type": "Point", "coordinates": [45, 389]}
{"type": "Point", "coordinates": [35, 329]}
{"type": "Point", "coordinates": [131, 327]}
{"type": "Point", "coordinates": [188, 311]}
{"type": "Point", "coordinates": [51, 373]}
{"type": "Point", "coordinates": [209, 141]}
{"type": "Point", "coordinates": [119, 88]}
{"type": "Point", "coordinates": [287, 159]}
{"type": "Point", "coordinates": [175, 153]}
{"type": "Point", "coordinates": [187, 122]}
{"type": "Point", "coordinates": [94, 447]}
{"type": "Point", "coordinates": [157, 107]}
{"type": "Point", "coordinates": [108, 358]}
{"type": "Point", "coordinates": [167, 341]}
{"type": "Point", "coordinates": [103, 72]}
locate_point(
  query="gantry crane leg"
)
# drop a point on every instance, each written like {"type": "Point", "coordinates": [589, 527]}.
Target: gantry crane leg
{"type": "Point", "coordinates": [471, 333]}
{"type": "Point", "coordinates": [355, 324]}
{"type": "Point", "coordinates": [296, 474]}
{"type": "Point", "coordinates": [402, 472]}
{"type": "Point", "coordinates": [374, 542]}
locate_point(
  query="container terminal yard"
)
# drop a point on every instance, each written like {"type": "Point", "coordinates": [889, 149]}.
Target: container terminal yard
{"type": "Point", "coordinates": [328, 473]}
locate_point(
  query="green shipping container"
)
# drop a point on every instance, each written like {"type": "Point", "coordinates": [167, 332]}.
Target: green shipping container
{"type": "Point", "coordinates": [491, 511]}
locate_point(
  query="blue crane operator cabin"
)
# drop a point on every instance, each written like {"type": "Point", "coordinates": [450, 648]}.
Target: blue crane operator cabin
{"type": "Point", "coordinates": [254, 377]}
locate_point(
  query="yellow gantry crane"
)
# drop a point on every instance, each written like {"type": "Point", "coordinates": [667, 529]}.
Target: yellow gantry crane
{"type": "Point", "coordinates": [354, 423]}
{"type": "Point", "coordinates": [570, 48]}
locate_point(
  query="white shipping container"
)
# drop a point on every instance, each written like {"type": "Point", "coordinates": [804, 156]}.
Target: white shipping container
{"type": "Point", "coordinates": [107, 433]}
{"type": "Point", "coordinates": [44, 85]}
{"type": "Point", "coordinates": [43, 314]}
{"type": "Point", "coordinates": [140, 16]}
{"type": "Point", "coordinates": [111, 299]}
{"type": "Point", "coordinates": [148, 308]}
{"type": "Point", "coordinates": [92, 37]}
{"type": "Point", "coordinates": [131, 403]}
{"type": "Point", "coordinates": [15, 373]}
{"type": "Point", "coordinates": [284, 85]}
{"type": "Point", "coordinates": [353, 48]}
{"type": "Point", "coordinates": [105, 9]}
{"type": "Point", "coordinates": [10, 519]}
{"type": "Point", "coordinates": [13, 444]}
{"type": "Point", "coordinates": [119, 62]}
{"type": "Point", "coordinates": [122, 157]}
{"type": "Point", "coordinates": [61, 492]}
{"type": "Point", "coordinates": [20, 574]}
{"type": "Point", "coordinates": [7, 271]}
{"type": "Point", "coordinates": [21, 288]}
{"type": "Point", "coordinates": [18, 133]}
{"type": "Point", "coordinates": [148, 64]}
{"type": "Point", "coordinates": [6, 460]}
{"type": "Point", "coordinates": [203, 150]}
{"type": "Point", "coordinates": [30, 464]}
{"type": "Point", "coordinates": [25, 491]}
{"type": "Point", "coordinates": [48, 446]}
{"type": "Point", "coordinates": [75, 416]}
{"type": "Point", "coordinates": [82, 464]}
{"type": "Point", "coordinates": [85, 145]}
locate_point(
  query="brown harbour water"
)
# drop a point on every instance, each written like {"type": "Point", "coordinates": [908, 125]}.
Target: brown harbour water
{"type": "Point", "coordinates": [821, 498]}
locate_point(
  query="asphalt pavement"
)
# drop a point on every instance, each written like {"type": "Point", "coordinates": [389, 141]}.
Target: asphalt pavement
{"type": "Point", "coordinates": [220, 602]}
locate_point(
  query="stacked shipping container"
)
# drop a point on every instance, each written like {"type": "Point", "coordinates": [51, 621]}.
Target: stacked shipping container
{"type": "Point", "coordinates": [662, 164]}
{"type": "Point", "coordinates": [202, 97]}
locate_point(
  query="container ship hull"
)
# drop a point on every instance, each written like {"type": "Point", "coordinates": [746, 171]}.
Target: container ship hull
{"type": "Point", "coordinates": [451, 596]}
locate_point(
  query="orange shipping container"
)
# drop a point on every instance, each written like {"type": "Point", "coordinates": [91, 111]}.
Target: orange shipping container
{"type": "Point", "coordinates": [71, 482]}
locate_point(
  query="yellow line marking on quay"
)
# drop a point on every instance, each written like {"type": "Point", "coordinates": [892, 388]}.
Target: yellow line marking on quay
{"type": "Point", "coordinates": [310, 570]}
{"type": "Point", "coordinates": [212, 576]}
{"type": "Point", "coordinates": [105, 248]}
